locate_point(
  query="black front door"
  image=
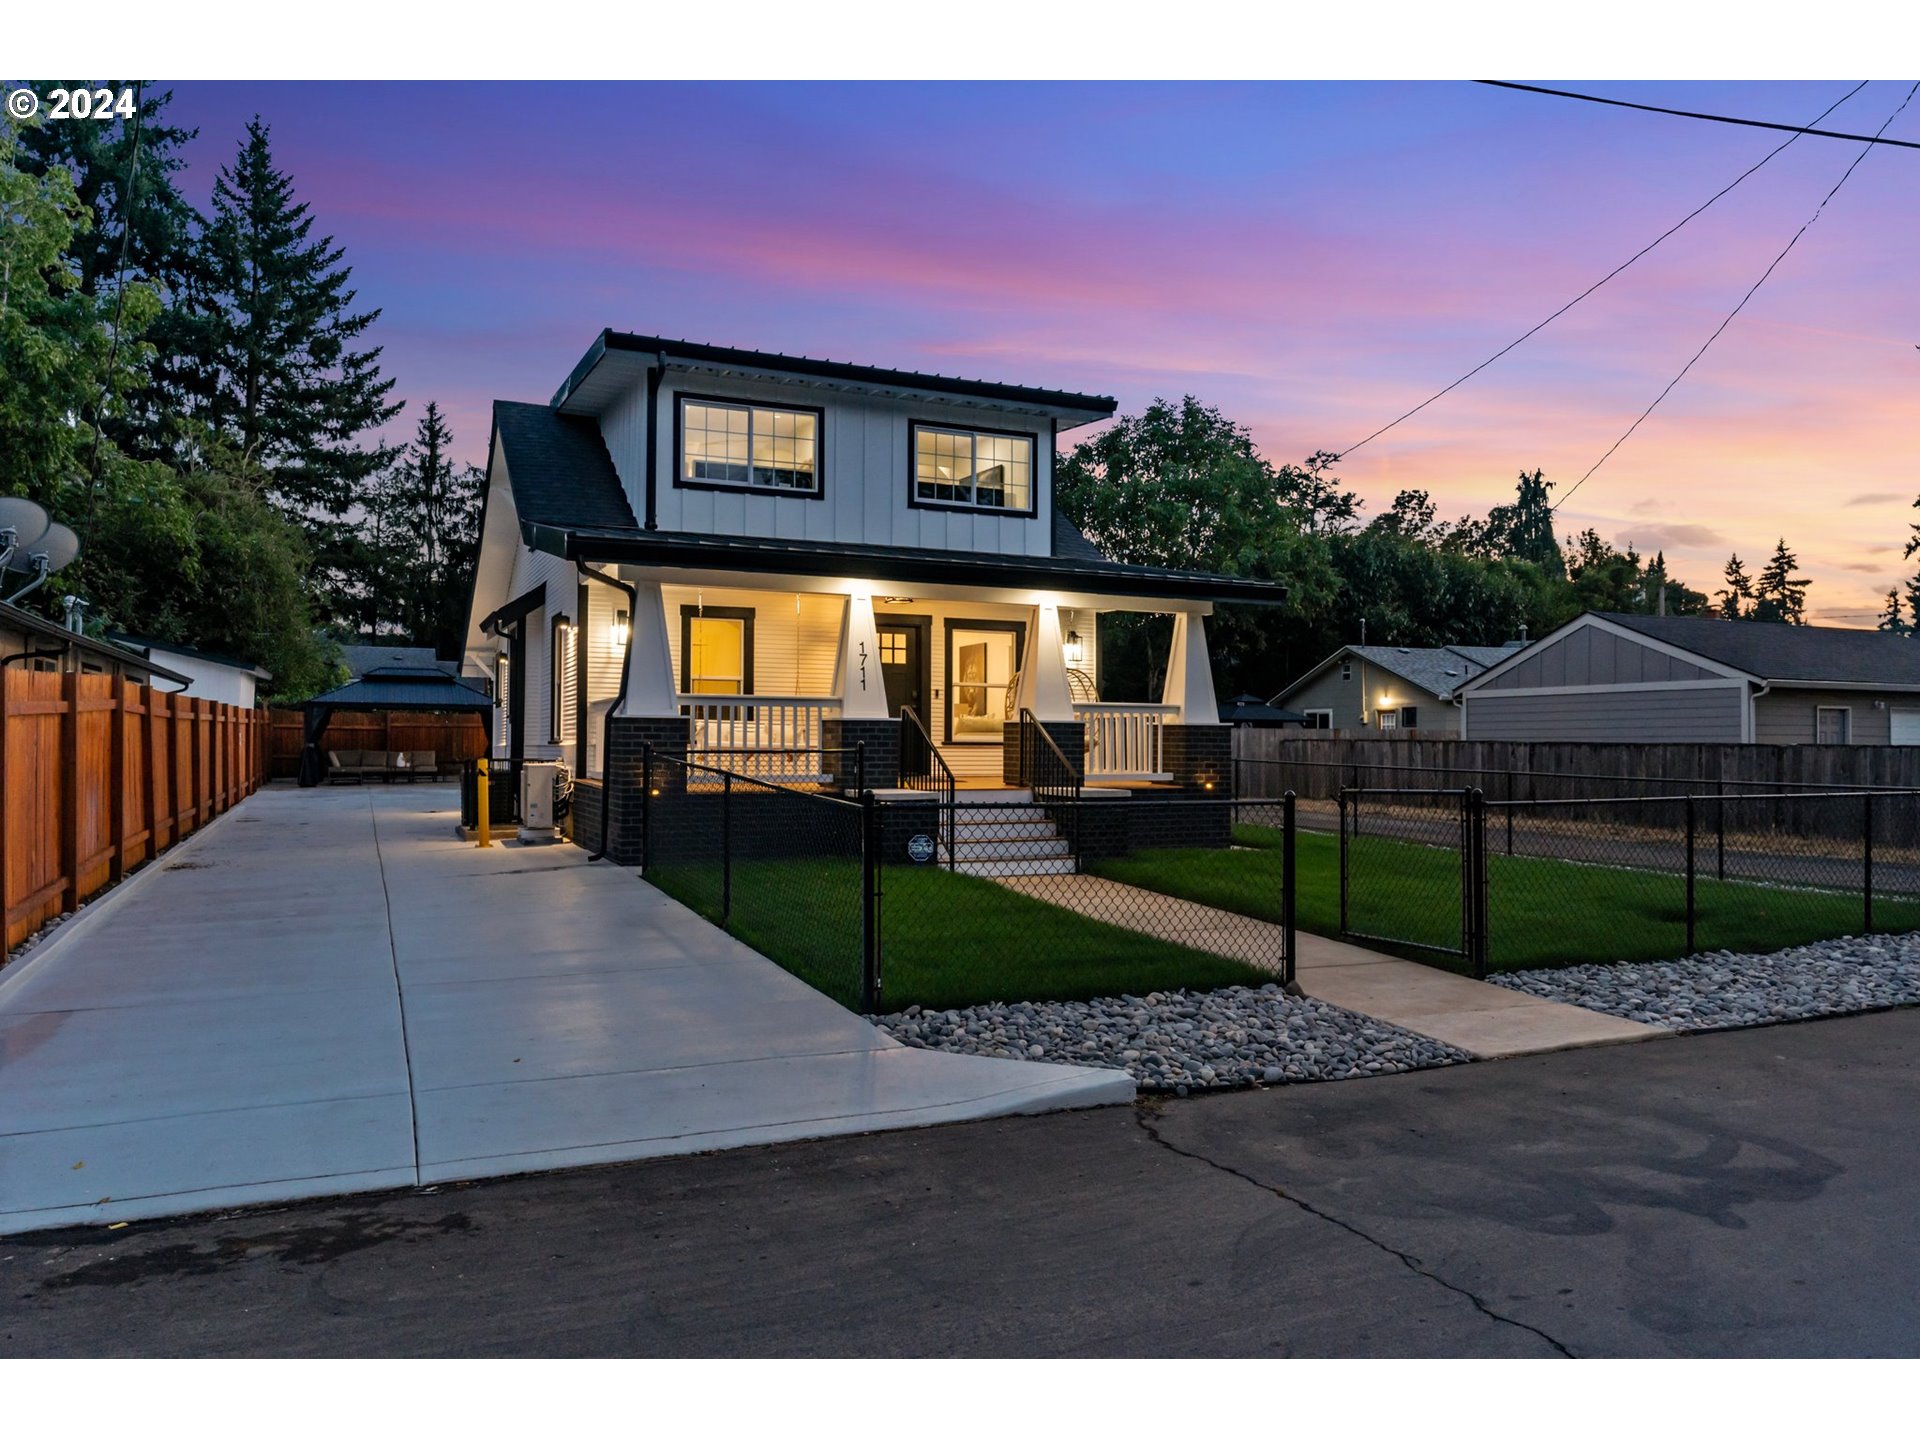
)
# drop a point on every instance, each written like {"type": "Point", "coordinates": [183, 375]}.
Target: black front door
{"type": "Point", "coordinates": [904, 661]}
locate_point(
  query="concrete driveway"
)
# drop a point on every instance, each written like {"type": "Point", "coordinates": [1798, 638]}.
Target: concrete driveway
{"type": "Point", "coordinates": [326, 993]}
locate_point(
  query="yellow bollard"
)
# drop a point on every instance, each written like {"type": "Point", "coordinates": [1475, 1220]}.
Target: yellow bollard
{"type": "Point", "coordinates": [480, 786]}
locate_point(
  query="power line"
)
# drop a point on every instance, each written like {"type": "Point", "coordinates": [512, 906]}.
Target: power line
{"type": "Point", "coordinates": [1604, 278]}
{"type": "Point", "coordinates": [1702, 115]}
{"type": "Point", "coordinates": [1865, 150]}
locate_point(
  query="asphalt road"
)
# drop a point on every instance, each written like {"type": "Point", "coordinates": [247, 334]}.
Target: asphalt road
{"type": "Point", "coordinates": [1747, 1193]}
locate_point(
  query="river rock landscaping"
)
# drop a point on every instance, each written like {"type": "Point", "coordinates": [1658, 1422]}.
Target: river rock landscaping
{"type": "Point", "coordinates": [1720, 990]}
{"type": "Point", "coordinates": [1182, 1040]}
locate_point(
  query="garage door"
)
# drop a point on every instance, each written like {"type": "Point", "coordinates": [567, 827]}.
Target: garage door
{"type": "Point", "coordinates": [1904, 726]}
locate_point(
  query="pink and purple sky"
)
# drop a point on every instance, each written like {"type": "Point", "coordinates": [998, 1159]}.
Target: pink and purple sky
{"type": "Point", "coordinates": [1312, 258]}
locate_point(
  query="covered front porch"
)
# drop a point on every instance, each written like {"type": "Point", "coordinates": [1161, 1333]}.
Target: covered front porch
{"type": "Point", "coordinates": [799, 680]}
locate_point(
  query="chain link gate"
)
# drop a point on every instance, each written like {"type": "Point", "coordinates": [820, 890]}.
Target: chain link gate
{"type": "Point", "coordinates": [1413, 871]}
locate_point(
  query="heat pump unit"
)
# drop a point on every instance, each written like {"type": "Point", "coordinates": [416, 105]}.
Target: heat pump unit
{"type": "Point", "coordinates": [536, 799]}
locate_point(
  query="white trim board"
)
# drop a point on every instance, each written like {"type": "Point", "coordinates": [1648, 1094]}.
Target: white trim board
{"type": "Point", "coordinates": [1519, 691]}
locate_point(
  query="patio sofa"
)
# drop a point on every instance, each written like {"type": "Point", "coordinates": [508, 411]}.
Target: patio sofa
{"type": "Point", "coordinates": [359, 766]}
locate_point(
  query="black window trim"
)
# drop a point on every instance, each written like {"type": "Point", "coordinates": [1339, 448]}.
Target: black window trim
{"type": "Point", "coordinates": [914, 427]}
{"type": "Point", "coordinates": [690, 613]}
{"type": "Point", "coordinates": [681, 398]}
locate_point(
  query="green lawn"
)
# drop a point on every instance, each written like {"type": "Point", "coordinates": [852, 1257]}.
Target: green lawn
{"type": "Point", "coordinates": [946, 940]}
{"type": "Point", "coordinates": [1543, 912]}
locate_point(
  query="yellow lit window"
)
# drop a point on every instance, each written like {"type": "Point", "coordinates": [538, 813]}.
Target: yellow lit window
{"type": "Point", "coordinates": [716, 656]}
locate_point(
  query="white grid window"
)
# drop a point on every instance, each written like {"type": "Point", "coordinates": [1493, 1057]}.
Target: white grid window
{"type": "Point", "coordinates": [967, 467]}
{"type": "Point", "coordinates": [756, 447]}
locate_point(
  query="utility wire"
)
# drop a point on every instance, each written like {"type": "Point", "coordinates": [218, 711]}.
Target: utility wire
{"type": "Point", "coordinates": [1701, 115]}
{"type": "Point", "coordinates": [1865, 150]}
{"type": "Point", "coordinates": [1603, 279]}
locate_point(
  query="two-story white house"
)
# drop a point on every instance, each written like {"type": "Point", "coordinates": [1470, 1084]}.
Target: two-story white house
{"type": "Point", "coordinates": [768, 560]}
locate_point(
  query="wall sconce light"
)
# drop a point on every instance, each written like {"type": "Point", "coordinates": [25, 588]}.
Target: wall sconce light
{"type": "Point", "coordinates": [622, 628]}
{"type": "Point", "coordinates": [1076, 652]}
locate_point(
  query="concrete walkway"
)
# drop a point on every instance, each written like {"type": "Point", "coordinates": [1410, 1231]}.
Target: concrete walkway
{"type": "Point", "coordinates": [1488, 1021]}
{"type": "Point", "coordinates": [326, 993]}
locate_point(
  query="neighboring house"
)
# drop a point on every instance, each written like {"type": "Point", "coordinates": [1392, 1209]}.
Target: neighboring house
{"type": "Point", "coordinates": [1656, 679]}
{"type": "Point", "coordinates": [1389, 688]}
{"type": "Point", "coordinates": [733, 551]}
{"type": "Point", "coordinates": [35, 643]}
{"type": "Point", "coordinates": [208, 676]}
{"type": "Point", "coordinates": [360, 659]}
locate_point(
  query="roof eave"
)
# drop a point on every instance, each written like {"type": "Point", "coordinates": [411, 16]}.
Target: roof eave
{"type": "Point", "coordinates": [1133, 582]}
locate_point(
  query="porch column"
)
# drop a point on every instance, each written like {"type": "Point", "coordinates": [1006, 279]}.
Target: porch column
{"type": "Point", "coordinates": [1190, 673]}
{"type": "Point", "coordinates": [863, 689]}
{"type": "Point", "coordinates": [863, 741]}
{"type": "Point", "coordinates": [1195, 748]}
{"type": "Point", "coordinates": [1043, 678]}
{"type": "Point", "coordinates": [651, 688]}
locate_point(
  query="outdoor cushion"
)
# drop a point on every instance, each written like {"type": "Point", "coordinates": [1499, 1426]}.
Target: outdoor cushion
{"type": "Point", "coordinates": [420, 760]}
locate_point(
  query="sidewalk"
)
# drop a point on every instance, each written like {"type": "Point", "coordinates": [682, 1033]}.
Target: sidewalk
{"type": "Point", "coordinates": [1487, 1021]}
{"type": "Point", "coordinates": [324, 992]}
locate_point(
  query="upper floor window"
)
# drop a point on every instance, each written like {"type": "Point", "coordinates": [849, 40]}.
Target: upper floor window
{"type": "Point", "coordinates": [973, 469]}
{"type": "Point", "coordinates": [749, 447]}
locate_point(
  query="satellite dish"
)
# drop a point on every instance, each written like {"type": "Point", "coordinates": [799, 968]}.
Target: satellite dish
{"type": "Point", "coordinates": [28, 523]}
{"type": "Point", "coordinates": [59, 546]}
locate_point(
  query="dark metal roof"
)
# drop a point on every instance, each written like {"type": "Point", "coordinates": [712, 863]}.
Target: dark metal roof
{"type": "Point", "coordinates": [756, 555]}
{"type": "Point", "coordinates": [1252, 710]}
{"type": "Point", "coordinates": [404, 688]}
{"type": "Point", "coordinates": [359, 659]}
{"type": "Point", "coordinates": [559, 467]}
{"type": "Point", "coordinates": [1817, 654]}
{"type": "Point", "coordinates": [617, 340]}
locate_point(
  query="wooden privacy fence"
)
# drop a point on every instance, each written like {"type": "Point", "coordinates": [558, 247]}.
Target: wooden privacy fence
{"type": "Point", "coordinates": [98, 775]}
{"type": "Point", "coordinates": [451, 736]}
{"type": "Point", "coordinates": [1528, 770]}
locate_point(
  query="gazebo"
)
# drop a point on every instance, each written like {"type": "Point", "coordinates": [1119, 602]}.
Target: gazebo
{"type": "Point", "coordinates": [389, 688]}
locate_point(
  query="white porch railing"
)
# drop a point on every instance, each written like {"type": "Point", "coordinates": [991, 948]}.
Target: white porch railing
{"type": "Point", "coordinates": [1123, 741]}
{"type": "Point", "coordinates": [781, 733]}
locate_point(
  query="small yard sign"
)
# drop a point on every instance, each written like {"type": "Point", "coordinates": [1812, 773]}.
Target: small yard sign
{"type": "Point", "coordinates": [920, 849]}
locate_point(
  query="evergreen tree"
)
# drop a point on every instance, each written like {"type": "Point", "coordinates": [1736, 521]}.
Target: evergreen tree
{"type": "Point", "coordinates": [275, 367]}
{"type": "Point", "coordinates": [139, 233]}
{"type": "Point", "coordinates": [1524, 529]}
{"type": "Point", "coordinates": [421, 539]}
{"type": "Point", "coordinates": [1894, 618]}
{"type": "Point", "coordinates": [1777, 596]}
{"type": "Point", "coordinates": [1737, 598]}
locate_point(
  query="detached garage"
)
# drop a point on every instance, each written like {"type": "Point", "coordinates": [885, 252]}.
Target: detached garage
{"type": "Point", "coordinates": [1672, 679]}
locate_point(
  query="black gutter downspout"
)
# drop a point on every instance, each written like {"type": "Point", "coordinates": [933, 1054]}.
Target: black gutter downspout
{"type": "Point", "coordinates": [654, 377]}
{"type": "Point", "coordinates": [619, 699]}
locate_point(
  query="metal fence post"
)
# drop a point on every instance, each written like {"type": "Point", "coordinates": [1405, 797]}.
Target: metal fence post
{"type": "Point", "coordinates": [1690, 877]}
{"type": "Point", "coordinates": [646, 804]}
{"type": "Point", "coordinates": [1343, 861]}
{"type": "Point", "coordinates": [1477, 885]}
{"type": "Point", "coordinates": [1720, 829]}
{"type": "Point", "coordinates": [860, 767]}
{"type": "Point", "coordinates": [869, 904]}
{"type": "Point", "coordinates": [1866, 858]}
{"type": "Point", "coordinates": [726, 847]}
{"type": "Point", "coordinates": [1289, 948]}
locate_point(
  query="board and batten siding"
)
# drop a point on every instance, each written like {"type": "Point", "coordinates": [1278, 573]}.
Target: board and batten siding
{"type": "Point", "coordinates": [531, 568]}
{"type": "Point", "coordinates": [866, 460]}
{"type": "Point", "coordinates": [1592, 656]}
{"type": "Point", "coordinates": [1703, 714]}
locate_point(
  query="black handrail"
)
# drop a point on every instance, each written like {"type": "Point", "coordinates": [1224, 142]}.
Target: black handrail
{"type": "Point", "coordinates": [1050, 775]}
{"type": "Point", "coordinates": [936, 777]}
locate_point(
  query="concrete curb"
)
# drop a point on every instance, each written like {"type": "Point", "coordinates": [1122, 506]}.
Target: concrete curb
{"type": "Point", "coordinates": [14, 974]}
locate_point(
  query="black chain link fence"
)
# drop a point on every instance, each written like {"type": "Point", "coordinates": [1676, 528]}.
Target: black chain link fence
{"type": "Point", "coordinates": [1509, 885]}
{"type": "Point", "coordinates": [915, 899]}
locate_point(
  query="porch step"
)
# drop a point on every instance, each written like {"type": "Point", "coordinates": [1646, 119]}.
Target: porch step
{"type": "Point", "coordinates": [989, 848]}
{"type": "Point", "coordinates": [969, 830]}
{"type": "Point", "coordinates": [1039, 865]}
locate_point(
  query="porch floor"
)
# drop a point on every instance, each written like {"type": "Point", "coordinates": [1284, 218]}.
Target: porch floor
{"type": "Point", "coordinates": [325, 992]}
